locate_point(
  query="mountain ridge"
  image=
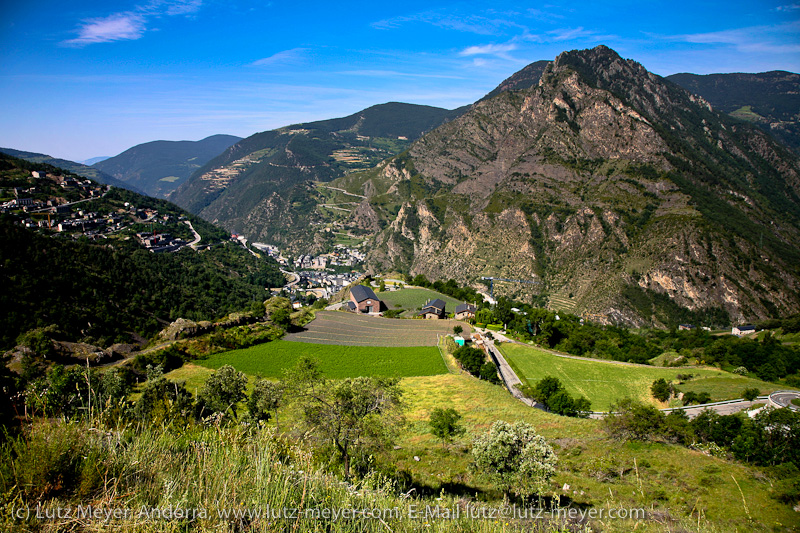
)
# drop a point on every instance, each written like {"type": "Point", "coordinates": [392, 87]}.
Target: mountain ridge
{"type": "Point", "coordinates": [770, 100]}
{"type": "Point", "coordinates": [613, 186]}
{"type": "Point", "coordinates": [255, 178]}
{"type": "Point", "coordinates": [72, 166]}
{"type": "Point", "coordinates": [158, 167]}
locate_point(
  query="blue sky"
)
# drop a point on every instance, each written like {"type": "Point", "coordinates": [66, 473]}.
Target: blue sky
{"type": "Point", "coordinates": [89, 78]}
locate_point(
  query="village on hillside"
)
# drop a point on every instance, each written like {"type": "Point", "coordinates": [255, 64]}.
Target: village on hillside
{"type": "Point", "coordinates": [56, 204]}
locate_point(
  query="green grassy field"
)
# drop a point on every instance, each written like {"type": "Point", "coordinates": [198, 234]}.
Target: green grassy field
{"type": "Point", "coordinates": [272, 358]}
{"type": "Point", "coordinates": [695, 491]}
{"type": "Point", "coordinates": [350, 329]}
{"type": "Point", "coordinates": [605, 383]}
{"type": "Point", "coordinates": [413, 299]}
{"type": "Point", "coordinates": [699, 492]}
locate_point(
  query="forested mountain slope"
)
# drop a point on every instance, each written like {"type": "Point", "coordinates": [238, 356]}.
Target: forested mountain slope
{"type": "Point", "coordinates": [159, 167]}
{"type": "Point", "coordinates": [253, 185]}
{"type": "Point", "coordinates": [104, 286]}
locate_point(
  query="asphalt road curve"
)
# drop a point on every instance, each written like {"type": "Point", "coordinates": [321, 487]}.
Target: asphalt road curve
{"type": "Point", "coordinates": [784, 398]}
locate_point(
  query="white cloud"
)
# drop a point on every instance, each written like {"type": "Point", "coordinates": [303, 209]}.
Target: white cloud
{"type": "Point", "coordinates": [500, 50]}
{"type": "Point", "coordinates": [789, 7]}
{"type": "Point", "coordinates": [129, 25]}
{"type": "Point", "coordinates": [117, 27]}
{"type": "Point", "coordinates": [293, 55]}
{"type": "Point", "coordinates": [779, 39]}
{"type": "Point", "coordinates": [183, 7]}
{"type": "Point", "coordinates": [397, 74]}
{"type": "Point", "coordinates": [567, 34]}
{"type": "Point", "coordinates": [479, 24]}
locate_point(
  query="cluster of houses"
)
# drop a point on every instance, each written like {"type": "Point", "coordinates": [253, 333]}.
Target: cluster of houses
{"type": "Point", "coordinates": [272, 251]}
{"type": "Point", "coordinates": [55, 214]}
{"type": "Point", "coordinates": [25, 201]}
{"type": "Point", "coordinates": [341, 256]}
{"type": "Point", "coordinates": [325, 284]}
{"type": "Point", "coordinates": [364, 300]}
{"type": "Point", "coordinates": [739, 331]}
{"type": "Point", "coordinates": [160, 242]}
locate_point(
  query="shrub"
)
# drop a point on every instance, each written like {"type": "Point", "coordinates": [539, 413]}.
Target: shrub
{"type": "Point", "coordinates": [630, 420]}
{"type": "Point", "coordinates": [444, 424]}
{"type": "Point", "coordinates": [551, 392]}
{"type": "Point", "coordinates": [222, 391]}
{"type": "Point", "coordinates": [660, 390]}
{"type": "Point", "coordinates": [515, 458]}
{"type": "Point", "coordinates": [164, 400]}
{"type": "Point", "coordinates": [692, 397]}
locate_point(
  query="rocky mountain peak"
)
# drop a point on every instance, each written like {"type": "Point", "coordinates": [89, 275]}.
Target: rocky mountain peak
{"type": "Point", "coordinates": [602, 68]}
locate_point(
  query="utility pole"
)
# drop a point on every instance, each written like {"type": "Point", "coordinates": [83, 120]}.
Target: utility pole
{"type": "Point", "coordinates": [493, 279]}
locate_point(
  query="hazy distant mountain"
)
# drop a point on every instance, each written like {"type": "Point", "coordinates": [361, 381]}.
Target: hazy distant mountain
{"type": "Point", "coordinates": [159, 167]}
{"type": "Point", "coordinates": [769, 99]}
{"type": "Point", "coordinates": [92, 161]}
{"type": "Point", "coordinates": [72, 166]}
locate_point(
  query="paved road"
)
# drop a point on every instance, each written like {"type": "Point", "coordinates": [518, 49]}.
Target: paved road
{"type": "Point", "coordinates": [343, 191]}
{"type": "Point", "coordinates": [295, 279]}
{"type": "Point", "coordinates": [508, 375]}
{"type": "Point", "coordinates": [784, 399]}
{"type": "Point", "coordinates": [193, 244]}
{"type": "Point", "coordinates": [724, 409]}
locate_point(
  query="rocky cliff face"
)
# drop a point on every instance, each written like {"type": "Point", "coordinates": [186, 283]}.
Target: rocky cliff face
{"type": "Point", "coordinates": [612, 186]}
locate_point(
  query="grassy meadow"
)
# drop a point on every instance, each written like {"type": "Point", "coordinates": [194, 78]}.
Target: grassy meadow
{"type": "Point", "coordinates": [680, 489]}
{"type": "Point", "coordinates": [272, 358]}
{"type": "Point", "coordinates": [606, 382]}
{"type": "Point", "coordinates": [413, 299]}
{"type": "Point", "coordinates": [684, 489]}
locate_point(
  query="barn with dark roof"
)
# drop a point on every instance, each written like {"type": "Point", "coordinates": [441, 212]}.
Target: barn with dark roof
{"type": "Point", "coordinates": [364, 300]}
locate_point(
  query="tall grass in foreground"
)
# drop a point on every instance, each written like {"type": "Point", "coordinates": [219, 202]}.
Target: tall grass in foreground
{"type": "Point", "coordinates": [216, 478]}
{"type": "Point", "coordinates": [175, 478]}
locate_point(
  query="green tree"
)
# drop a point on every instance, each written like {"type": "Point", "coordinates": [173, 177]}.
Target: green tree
{"type": "Point", "coordinates": [484, 316]}
{"type": "Point", "coordinates": [561, 403]}
{"type": "Point", "coordinates": [630, 420]}
{"type": "Point", "coordinates": [266, 398]}
{"type": "Point", "coordinates": [471, 359]}
{"type": "Point", "coordinates": [545, 388]}
{"type": "Point", "coordinates": [750, 394]}
{"type": "Point", "coordinates": [382, 286]}
{"type": "Point", "coordinates": [281, 318]}
{"type": "Point", "coordinates": [660, 390]}
{"type": "Point", "coordinates": [444, 424]}
{"type": "Point", "coordinates": [222, 391]}
{"type": "Point", "coordinates": [458, 329]}
{"type": "Point", "coordinates": [354, 414]}
{"type": "Point", "coordinates": [515, 458]}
